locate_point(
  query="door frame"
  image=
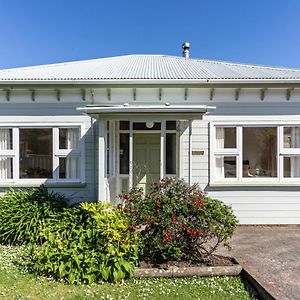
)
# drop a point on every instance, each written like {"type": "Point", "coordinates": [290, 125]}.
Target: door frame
{"type": "Point", "coordinates": [124, 182]}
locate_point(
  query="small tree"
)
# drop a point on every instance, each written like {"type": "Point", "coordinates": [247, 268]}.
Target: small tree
{"type": "Point", "coordinates": [177, 221]}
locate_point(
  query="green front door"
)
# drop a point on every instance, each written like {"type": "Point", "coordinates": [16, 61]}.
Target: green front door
{"type": "Point", "coordinates": [146, 159]}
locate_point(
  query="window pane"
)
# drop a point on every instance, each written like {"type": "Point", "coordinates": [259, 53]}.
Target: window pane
{"type": "Point", "coordinates": [124, 153]}
{"type": "Point", "coordinates": [124, 125]}
{"type": "Point", "coordinates": [260, 152]}
{"type": "Point", "coordinates": [171, 153]}
{"type": "Point", "coordinates": [69, 138]}
{"type": "Point", "coordinates": [146, 126]}
{"type": "Point", "coordinates": [36, 153]}
{"type": "Point", "coordinates": [5, 139]}
{"type": "Point", "coordinates": [69, 167]}
{"type": "Point", "coordinates": [6, 168]}
{"type": "Point", "coordinates": [291, 166]}
{"type": "Point", "coordinates": [225, 137]}
{"type": "Point", "coordinates": [171, 125]}
{"type": "Point", "coordinates": [225, 167]}
{"type": "Point", "coordinates": [291, 137]}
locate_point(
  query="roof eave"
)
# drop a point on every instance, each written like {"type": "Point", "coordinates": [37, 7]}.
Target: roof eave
{"type": "Point", "coordinates": [187, 83]}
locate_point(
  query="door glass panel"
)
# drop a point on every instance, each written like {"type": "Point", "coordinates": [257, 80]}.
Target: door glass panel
{"type": "Point", "coordinates": [171, 125]}
{"type": "Point", "coordinates": [171, 153]}
{"type": "Point", "coordinates": [124, 125]}
{"type": "Point", "coordinates": [146, 126]}
{"type": "Point", "coordinates": [124, 153]}
{"type": "Point", "coordinates": [36, 153]}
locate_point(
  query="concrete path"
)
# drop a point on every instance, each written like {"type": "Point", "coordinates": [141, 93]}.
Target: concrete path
{"type": "Point", "coordinates": [272, 256]}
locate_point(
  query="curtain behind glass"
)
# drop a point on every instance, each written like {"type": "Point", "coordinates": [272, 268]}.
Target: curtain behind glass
{"type": "Point", "coordinates": [220, 137]}
{"type": "Point", "coordinates": [295, 143]}
{"type": "Point", "coordinates": [72, 163]}
{"type": "Point", "coordinates": [5, 162]}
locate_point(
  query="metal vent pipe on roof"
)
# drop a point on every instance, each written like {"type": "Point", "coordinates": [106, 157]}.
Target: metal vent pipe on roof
{"type": "Point", "coordinates": [186, 50]}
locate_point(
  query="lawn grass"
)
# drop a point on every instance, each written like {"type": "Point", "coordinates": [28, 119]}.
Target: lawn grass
{"type": "Point", "coordinates": [18, 285]}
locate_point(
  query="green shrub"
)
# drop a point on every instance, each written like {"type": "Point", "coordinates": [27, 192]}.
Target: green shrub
{"type": "Point", "coordinates": [178, 222]}
{"type": "Point", "coordinates": [88, 243]}
{"type": "Point", "coordinates": [23, 213]}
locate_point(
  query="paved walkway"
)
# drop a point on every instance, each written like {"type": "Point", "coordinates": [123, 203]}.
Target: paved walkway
{"type": "Point", "coordinates": [272, 256]}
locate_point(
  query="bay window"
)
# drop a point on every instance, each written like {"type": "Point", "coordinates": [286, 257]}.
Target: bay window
{"type": "Point", "coordinates": [248, 153]}
{"type": "Point", "coordinates": [35, 153]}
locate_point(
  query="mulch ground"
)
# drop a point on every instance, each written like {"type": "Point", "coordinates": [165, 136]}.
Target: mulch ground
{"type": "Point", "coordinates": [212, 261]}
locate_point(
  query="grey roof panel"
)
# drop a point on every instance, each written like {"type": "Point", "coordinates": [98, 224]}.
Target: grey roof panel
{"type": "Point", "coordinates": [146, 67]}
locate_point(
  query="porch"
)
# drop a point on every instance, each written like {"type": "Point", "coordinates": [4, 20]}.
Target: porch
{"type": "Point", "coordinates": [139, 145]}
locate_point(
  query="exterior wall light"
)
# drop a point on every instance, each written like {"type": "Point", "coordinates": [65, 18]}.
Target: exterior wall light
{"type": "Point", "coordinates": [149, 125]}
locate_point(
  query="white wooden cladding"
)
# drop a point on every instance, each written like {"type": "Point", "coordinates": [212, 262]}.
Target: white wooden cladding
{"type": "Point", "coordinates": [255, 205]}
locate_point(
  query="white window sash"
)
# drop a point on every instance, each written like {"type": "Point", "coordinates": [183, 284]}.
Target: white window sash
{"type": "Point", "coordinates": [238, 153]}
{"type": "Point", "coordinates": [56, 152]}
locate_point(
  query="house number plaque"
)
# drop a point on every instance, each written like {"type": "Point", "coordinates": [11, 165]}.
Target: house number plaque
{"type": "Point", "coordinates": [197, 152]}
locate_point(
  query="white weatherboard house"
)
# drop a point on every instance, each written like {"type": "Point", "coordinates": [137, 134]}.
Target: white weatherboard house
{"type": "Point", "coordinates": [93, 129]}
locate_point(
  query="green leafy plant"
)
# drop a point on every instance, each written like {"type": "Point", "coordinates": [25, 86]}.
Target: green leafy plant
{"type": "Point", "coordinates": [24, 213]}
{"type": "Point", "coordinates": [178, 222]}
{"type": "Point", "coordinates": [88, 243]}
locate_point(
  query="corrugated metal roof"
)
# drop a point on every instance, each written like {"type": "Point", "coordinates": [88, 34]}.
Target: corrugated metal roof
{"type": "Point", "coordinates": [146, 67]}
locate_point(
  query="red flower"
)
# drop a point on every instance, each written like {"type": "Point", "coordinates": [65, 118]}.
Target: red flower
{"type": "Point", "coordinates": [120, 196]}
{"type": "Point", "coordinates": [120, 206]}
{"type": "Point", "coordinates": [132, 228]}
{"type": "Point", "coordinates": [158, 207]}
{"type": "Point", "coordinates": [201, 195]}
{"type": "Point", "coordinates": [167, 237]}
{"type": "Point", "coordinates": [194, 200]}
{"type": "Point", "coordinates": [200, 203]}
{"type": "Point", "coordinates": [174, 219]}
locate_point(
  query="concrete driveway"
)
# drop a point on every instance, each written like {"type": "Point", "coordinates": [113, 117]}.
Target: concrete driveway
{"type": "Point", "coordinates": [270, 254]}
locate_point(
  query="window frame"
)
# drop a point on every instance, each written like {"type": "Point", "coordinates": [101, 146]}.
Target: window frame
{"type": "Point", "coordinates": [56, 153]}
{"type": "Point", "coordinates": [238, 152]}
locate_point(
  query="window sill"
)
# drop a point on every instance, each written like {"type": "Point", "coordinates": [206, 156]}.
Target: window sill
{"type": "Point", "coordinates": [255, 184]}
{"type": "Point", "coordinates": [47, 184]}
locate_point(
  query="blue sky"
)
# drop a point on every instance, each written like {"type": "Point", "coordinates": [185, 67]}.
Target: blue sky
{"type": "Point", "coordinates": [34, 32]}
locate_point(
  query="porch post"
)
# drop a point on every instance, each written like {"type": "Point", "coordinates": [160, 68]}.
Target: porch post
{"type": "Point", "coordinates": [162, 149]}
{"type": "Point", "coordinates": [130, 154]}
{"type": "Point", "coordinates": [190, 152]}
{"type": "Point", "coordinates": [102, 180]}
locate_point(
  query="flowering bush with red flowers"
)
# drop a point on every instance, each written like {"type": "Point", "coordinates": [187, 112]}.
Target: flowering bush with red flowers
{"type": "Point", "coordinates": [178, 222]}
